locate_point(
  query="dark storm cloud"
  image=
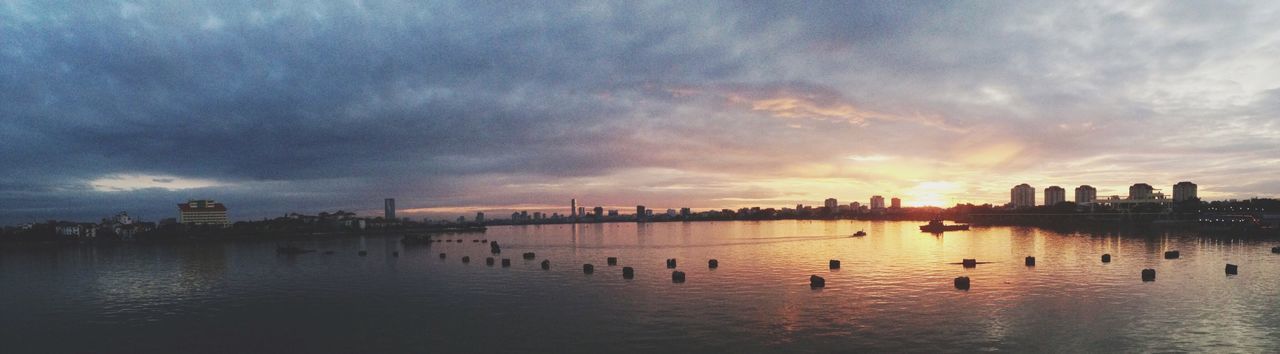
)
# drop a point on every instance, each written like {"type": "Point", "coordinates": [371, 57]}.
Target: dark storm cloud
{"type": "Point", "coordinates": [328, 104]}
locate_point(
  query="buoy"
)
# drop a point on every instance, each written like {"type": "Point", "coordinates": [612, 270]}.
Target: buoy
{"type": "Point", "coordinates": [713, 264]}
{"type": "Point", "coordinates": [1148, 274]}
{"type": "Point", "coordinates": [506, 262]}
{"type": "Point", "coordinates": [546, 264]}
{"type": "Point", "coordinates": [488, 261]}
{"type": "Point", "coordinates": [588, 268]}
{"type": "Point", "coordinates": [363, 253]}
{"type": "Point", "coordinates": [466, 259]}
{"type": "Point", "coordinates": [395, 253]}
{"type": "Point", "coordinates": [1171, 255]}
{"type": "Point", "coordinates": [528, 255]}
{"type": "Point", "coordinates": [969, 263]}
{"type": "Point", "coordinates": [1031, 261]}
{"type": "Point", "coordinates": [1106, 258]}
{"type": "Point", "coordinates": [962, 283]}
{"type": "Point", "coordinates": [817, 281]}
{"type": "Point", "coordinates": [834, 264]}
{"type": "Point", "coordinates": [613, 261]}
{"type": "Point", "coordinates": [671, 263]}
{"type": "Point", "coordinates": [677, 276]}
{"type": "Point", "coordinates": [1232, 269]}
{"type": "Point", "coordinates": [628, 273]}
{"type": "Point", "coordinates": [442, 255]}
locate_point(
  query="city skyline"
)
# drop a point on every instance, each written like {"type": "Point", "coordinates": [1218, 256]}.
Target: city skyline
{"type": "Point", "coordinates": [300, 105]}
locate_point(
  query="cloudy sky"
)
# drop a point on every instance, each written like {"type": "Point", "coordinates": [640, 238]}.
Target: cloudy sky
{"type": "Point", "coordinates": [453, 107]}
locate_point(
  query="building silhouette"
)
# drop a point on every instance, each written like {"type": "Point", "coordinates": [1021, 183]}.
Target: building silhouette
{"type": "Point", "coordinates": [1022, 196]}
{"type": "Point", "coordinates": [1054, 195]}
{"type": "Point", "coordinates": [831, 204]}
{"type": "Point", "coordinates": [877, 202]}
{"type": "Point", "coordinates": [1141, 191]}
{"type": "Point", "coordinates": [202, 212]}
{"type": "Point", "coordinates": [480, 217]}
{"type": "Point", "coordinates": [389, 209]}
{"type": "Point", "coordinates": [1184, 191]}
{"type": "Point", "coordinates": [573, 207]}
{"type": "Point", "coordinates": [895, 203]}
{"type": "Point", "coordinates": [1086, 194]}
{"type": "Point", "coordinates": [641, 213]}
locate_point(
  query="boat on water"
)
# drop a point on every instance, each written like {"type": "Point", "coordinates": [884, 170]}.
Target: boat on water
{"type": "Point", "coordinates": [291, 249]}
{"type": "Point", "coordinates": [415, 239]}
{"type": "Point", "coordinates": [936, 226]}
{"type": "Point", "coordinates": [860, 233]}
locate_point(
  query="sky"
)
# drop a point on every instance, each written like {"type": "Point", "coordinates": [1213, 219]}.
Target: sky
{"type": "Point", "coordinates": [455, 107]}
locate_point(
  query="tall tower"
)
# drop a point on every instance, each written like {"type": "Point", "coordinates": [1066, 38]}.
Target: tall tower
{"type": "Point", "coordinates": [1184, 191]}
{"type": "Point", "coordinates": [573, 207]}
{"type": "Point", "coordinates": [1022, 196]}
{"type": "Point", "coordinates": [1054, 195]}
{"type": "Point", "coordinates": [389, 209]}
{"type": "Point", "coordinates": [895, 203]}
{"type": "Point", "coordinates": [877, 202]}
{"type": "Point", "coordinates": [1086, 194]}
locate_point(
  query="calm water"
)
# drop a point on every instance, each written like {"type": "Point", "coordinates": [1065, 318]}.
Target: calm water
{"type": "Point", "coordinates": [893, 293]}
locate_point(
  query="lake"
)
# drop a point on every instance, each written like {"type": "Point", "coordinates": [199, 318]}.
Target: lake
{"type": "Point", "coordinates": [893, 293]}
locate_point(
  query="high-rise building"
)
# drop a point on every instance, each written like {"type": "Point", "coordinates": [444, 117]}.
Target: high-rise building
{"type": "Point", "coordinates": [831, 205]}
{"type": "Point", "coordinates": [686, 212]}
{"type": "Point", "coordinates": [640, 213]}
{"type": "Point", "coordinates": [877, 202]}
{"type": "Point", "coordinates": [1054, 195]}
{"type": "Point", "coordinates": [1022, 196]}
{"type": "Point", "coordinates": [573, 207]}
{"type": "Point", "coordinates": [1141, 191]}
{"type": "Point", "coordinates": [1086, 194]}
{"type": "Point", "coordinates": [671, 212]}
{"type": "Point", "coordinates": [895, 203]}
{"type": "Point", "coordinates": [582, 211]}
{"type": "Point", "coordinates": [389, 209]}
{"type": "Point", "coordinates": [479, 217]}
{"type": "Point", "coordinates": [613, 212]}
{"type": "Point", "coordinates": [599, 211]}
{"type": "Point", "coordinates": [202, 212]}
{"type": "Point", "coordinates": [1184, 191]}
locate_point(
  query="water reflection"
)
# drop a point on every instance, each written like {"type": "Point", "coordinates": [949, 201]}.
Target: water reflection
{"type": "Point", "coordinates": [893, 293]}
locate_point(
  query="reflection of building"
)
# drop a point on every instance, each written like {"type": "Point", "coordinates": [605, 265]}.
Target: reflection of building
{"type": "Point", "coordinates": [1141, 191]}
{"type": "Point", "coordinates": [389, 209]}
{"type": "Point", "coordinates": [1054, 195]}
{"type": "Point", "coordinates": [202, 212]}
{"type": "Point", "coordinates": [895, 203]}
{"type": "Point", "coordinates": [1184, 191]}
{"type": "Point", "coordinates": [1086, 194]}
{"type": "Point", "coordinates": [1022, 196]}
{"type": "Point", "coordinates": [877, 202]}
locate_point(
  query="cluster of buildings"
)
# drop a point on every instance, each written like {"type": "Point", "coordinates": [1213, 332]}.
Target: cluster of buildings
{"type": "Point", "coordinates": [121, 226]}
{"type": "Point", "coordinates": [1024, 196]}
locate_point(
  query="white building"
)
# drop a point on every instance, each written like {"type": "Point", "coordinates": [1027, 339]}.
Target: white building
{"type": "Point", "coordinates": [1086, 194]}
{"type": "Point", "coordinates": [1054, 195]}
{"type": "Point", "coordinates": [1184, 191]}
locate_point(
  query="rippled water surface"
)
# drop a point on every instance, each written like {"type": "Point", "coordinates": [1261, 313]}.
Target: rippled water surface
{"type": "Point", "coordinates": [894, 292]}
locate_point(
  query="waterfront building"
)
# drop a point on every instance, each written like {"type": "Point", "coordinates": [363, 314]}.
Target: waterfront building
{"type": "Point", "coordinates": [1086, 194]}
{"type": "Point", "coordinates": [895, 203]}
{"type": "Point", "coordinates": [599, 211]}
{"type": "Point", "coordinates": [613, 212]}
{"type": "Point", "coordinates": [831, 204]}
{"type": "Point", "coordinates": [480, 217]}
{"type": "Point", "coordinates": [582, 211]}
{"type": "Point", "coordinates": [573, 207]}
{"type": "Point", "coordinates": [877, 202]}
{"type": "Point", "coordinates": [203, 212]}
{"type": "Point", "coordinates": [1022, 196]}
{"type": "Point", "coordinates": [1141, 191]}
{"type": "Point", "coordinates": [1184, 191]}
{"type": "Point", "coordinates": [389, 209]}
{"type": "Point", "coordinates": [640, 213]}
{"type": "Point", "coordinates": [686, 212]}
{"type": "Point", "coordinates": [1054, 195]}
{"type": "Point", "coordinates": [671, 213]}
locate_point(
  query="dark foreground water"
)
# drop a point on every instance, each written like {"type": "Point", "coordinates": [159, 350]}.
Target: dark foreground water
{"type": "Point", "coordinates": [893, 294]}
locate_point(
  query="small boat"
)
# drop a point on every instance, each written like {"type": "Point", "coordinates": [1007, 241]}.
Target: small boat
{"type": "Point", "coordinates": [290, 249]}
{"type": "Point", "coordinates": [415, 240]}
{"type": "Point", "coordinates": [860, 233]}
{"type": "Point", "coordinates": [936, 226]}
